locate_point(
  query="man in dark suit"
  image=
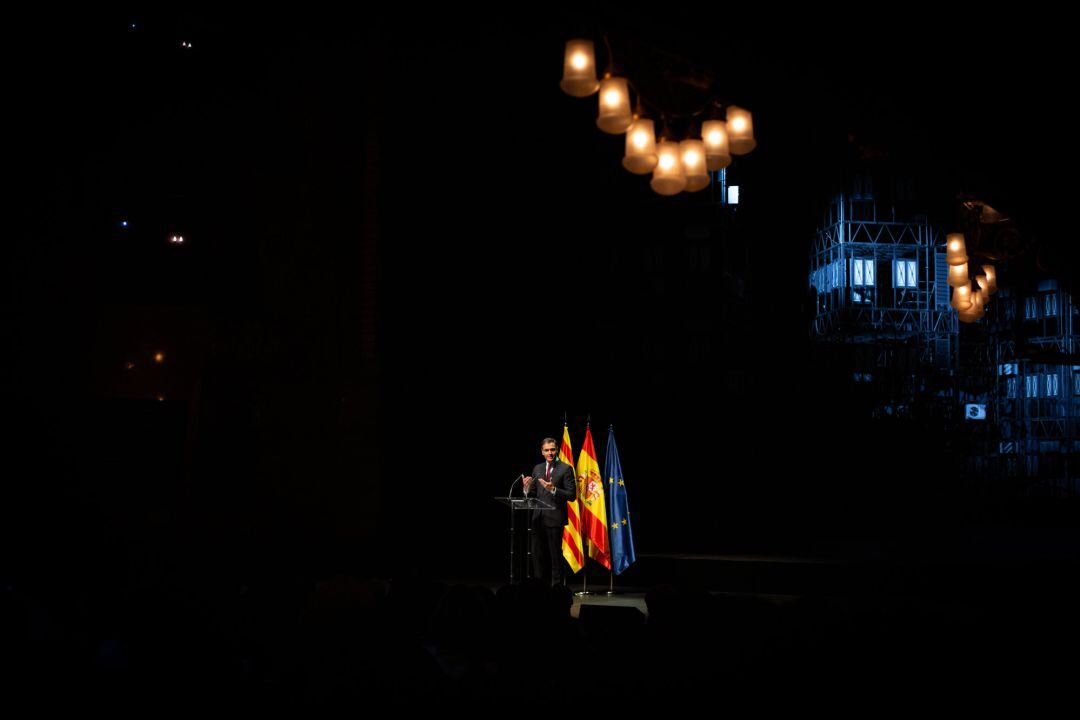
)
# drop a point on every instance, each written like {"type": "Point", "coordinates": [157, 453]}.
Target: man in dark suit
{"type": "Point", "coordinates": [553, 482]}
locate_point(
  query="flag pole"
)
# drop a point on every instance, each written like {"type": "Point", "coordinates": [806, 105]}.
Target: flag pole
{"type": "Point", "coordinates": [611, 571]}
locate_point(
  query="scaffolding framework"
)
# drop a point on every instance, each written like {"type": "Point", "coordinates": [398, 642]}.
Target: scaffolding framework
{"type": "Point", "coordinates": [877, 279]}
{"type": "Point", "coordinates": [1020, 363]}
{"type": "Point", "coordinates": [1036, 393]}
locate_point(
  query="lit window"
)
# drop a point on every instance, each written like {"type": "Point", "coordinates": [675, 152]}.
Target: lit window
{"type": "Point", "coordinates": [1011, 387]}
{"type": "Point", "coordinates": [733, 195]}
{"type": "Point", "coordinates": [862, 275]}
{"type": "Point", "coordinates": [862, 272]}
{"type": "Point", "coordinates": [1031, 386]}
{"type": "Point", "coordinates": [1052, 385]}
{"type": "Point", "coordinates": [1031, 308]}
{"type": "Point", "coordinates": [1051, 305]}
{"type": "Point", "coordinates": [905, 274]}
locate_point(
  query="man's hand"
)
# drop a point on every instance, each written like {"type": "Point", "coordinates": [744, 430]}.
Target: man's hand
{"type": "Point", "coordinates": [526, 483]}
{"type": "Point", "coordinates": [546, 485]}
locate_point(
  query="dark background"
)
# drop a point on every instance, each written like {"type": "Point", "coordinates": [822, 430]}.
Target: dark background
{"type": "Point", "coordinates": [407, 254]}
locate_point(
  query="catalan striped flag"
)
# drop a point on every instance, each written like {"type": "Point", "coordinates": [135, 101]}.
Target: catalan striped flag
{"type": "Point", "coordinates": [571, 537]}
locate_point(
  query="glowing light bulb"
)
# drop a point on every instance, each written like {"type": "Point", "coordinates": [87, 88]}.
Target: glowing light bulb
{"type": "Point", "coordinates": [579, 69]}
{"type": "Point", "coordinates": [159, 357]}
{"type": "Point", "coordinates": [955, 249]}
{"type": "Point", "coordinates": [717, 149]}
{"type": "Point", "coordinates": [640, 156]}
{"type": "Point", "coordinates": [692, 153]}
{"type": "Point", "coordinates": [668, 177]}
{"type": "Point", "coordinates": [615, 116]}
{"type": "Point", "coordinates": [740, 126]}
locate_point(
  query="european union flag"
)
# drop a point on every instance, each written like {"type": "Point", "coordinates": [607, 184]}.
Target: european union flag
{"type": "Point", "coordinates": [621, 539]}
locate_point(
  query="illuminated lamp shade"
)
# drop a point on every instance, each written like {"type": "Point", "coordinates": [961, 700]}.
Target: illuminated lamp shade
{"type": "Point", "coordinates": [615, 116]}
{"type": "Point", "coordinates": [640, 157]}
{"type": "Point", "coordinates": [961, 297]}
{"type": "Point", "coordinates": [975, 312]}
{"type": "Point", "coordinates": [714, 133]}
{"type": "Point", "coordinates": [740, 125]}
{"type": "Point", "coordinates": [668, 178]}
{"type": "Point", "coordinates": [692, 154]}
{"type": "Point", "coordinates": [984, 288]}
{"type": "Point", "coordinates": [579, 69]}
{"type": "Point", "coordinates": [958, 275]}
{"type": "Point", "coordinates": [955, 249]}
{"type": "Point", "coordinates": [991, 278]}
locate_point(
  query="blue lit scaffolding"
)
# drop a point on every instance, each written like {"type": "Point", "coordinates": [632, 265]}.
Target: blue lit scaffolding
{"type": "Point", "coordinates": [1007, 389]}
{"type": "Point", "coordinates": [1033, 342]}
{"type": "Point", "coordinates": [880, 280]}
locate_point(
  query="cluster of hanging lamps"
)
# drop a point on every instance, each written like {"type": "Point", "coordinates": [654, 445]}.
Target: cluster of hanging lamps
{"type": "Point", "coordinates": [675, 166]}
{"type": "Point", "coordinates": [969, 299]}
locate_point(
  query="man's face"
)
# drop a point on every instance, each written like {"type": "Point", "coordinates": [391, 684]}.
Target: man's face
{"type": "Point", "coordinates": [549, 451]}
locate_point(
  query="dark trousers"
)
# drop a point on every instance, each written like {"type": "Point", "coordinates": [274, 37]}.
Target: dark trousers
{"type": "Point", "coordinates": [547, 560]}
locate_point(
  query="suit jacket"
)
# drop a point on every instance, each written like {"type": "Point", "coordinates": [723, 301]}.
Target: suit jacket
{"type": "Point", "coordinates": [562, 476]}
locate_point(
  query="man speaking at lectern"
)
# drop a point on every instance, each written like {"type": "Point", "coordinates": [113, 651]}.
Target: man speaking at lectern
{"type": "Point", "coordinates": [553, 482]}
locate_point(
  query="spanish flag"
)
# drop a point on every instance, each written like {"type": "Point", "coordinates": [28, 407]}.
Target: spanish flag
{"type": "Point", "coordinates": [591, 493]}
{"type": "Point", "coordinates": [571, 536]}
